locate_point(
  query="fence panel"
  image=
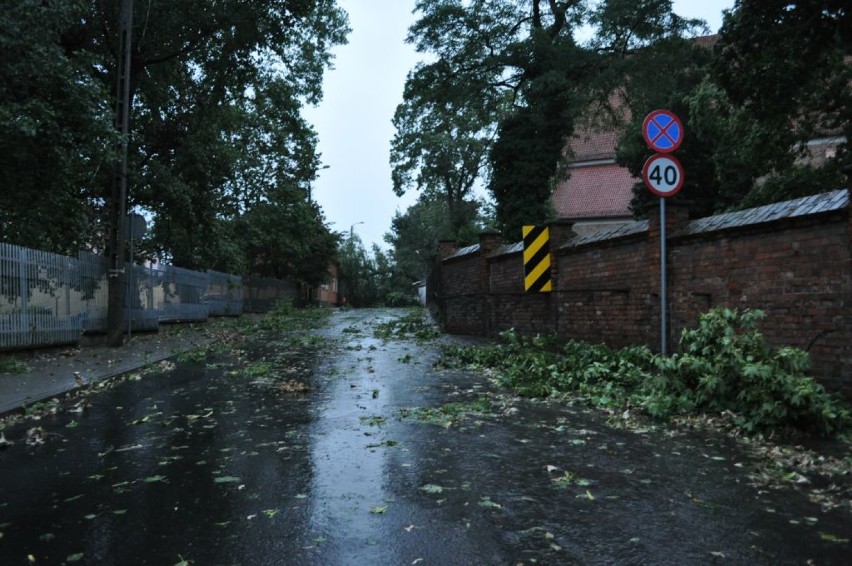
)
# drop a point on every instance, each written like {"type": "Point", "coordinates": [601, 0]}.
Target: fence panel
{"type": "Point", "coordinates": [178, 294]}
{"type": "Point", "coordinates": [93, 291]}
{"type": "Point", "coordinates": [36, 306]}
{"type": "Point", "coordinates": [224, 294]}
{"type": "Point", "coordinates": [139, 299]}
{"type": "Point", "coordinates": [48, 299]}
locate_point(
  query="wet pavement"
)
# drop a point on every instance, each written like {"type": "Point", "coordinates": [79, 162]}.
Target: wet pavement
{"type": "Point", "coordinates": [337, 447]}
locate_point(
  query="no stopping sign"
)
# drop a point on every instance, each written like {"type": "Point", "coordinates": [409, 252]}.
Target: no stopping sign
{"type": "Point", "coordinates": [663, 175]}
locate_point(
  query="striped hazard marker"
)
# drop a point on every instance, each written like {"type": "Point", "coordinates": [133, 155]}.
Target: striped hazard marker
{"type": "Point", "coordinates": [537, 259]}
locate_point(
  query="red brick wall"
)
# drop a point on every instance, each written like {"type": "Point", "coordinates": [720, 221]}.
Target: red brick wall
{"type": "Point", "coordinates": [605, 293]}
{"type": "Point", "coordinates": [462, 299]}
{"type": "Point", "coordinates": [798, 270]}
{"type": "Point", "coordinates": [510, 306]}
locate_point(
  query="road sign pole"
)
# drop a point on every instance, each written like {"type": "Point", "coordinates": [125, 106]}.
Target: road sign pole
{"type": "Point", "coordinates": [663, 306]}
{"type": "Point", "coordinates": [663, 175]}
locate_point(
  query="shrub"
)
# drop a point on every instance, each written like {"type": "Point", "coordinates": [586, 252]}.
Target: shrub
{"type": "Point", "coordinates": [725, 364]}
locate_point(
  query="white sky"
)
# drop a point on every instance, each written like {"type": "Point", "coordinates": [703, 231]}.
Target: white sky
{"type": "Point", "coordinates": [360, 96]}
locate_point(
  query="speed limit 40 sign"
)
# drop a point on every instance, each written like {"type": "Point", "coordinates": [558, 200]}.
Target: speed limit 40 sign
{"type": "Point", "coordinates": [663, 175]}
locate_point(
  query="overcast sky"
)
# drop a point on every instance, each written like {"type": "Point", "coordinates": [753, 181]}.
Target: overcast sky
{"type": "Point", "coordinates": [360, 96]}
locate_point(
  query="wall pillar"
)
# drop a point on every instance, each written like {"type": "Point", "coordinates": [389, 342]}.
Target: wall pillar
{"type": "Point", "coordinates": [446, 248]}
{"type": "Point", "coordinates": [488, 242]}
{"type": "Point", "coordinates": [561, 231]}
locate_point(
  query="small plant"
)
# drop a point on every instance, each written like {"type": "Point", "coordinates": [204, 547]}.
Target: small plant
{"type": "Point", "coordinates": [197, 356]}
{"type": "Point", "coordinates": [11, 365]}
{"type": "Point", "coordinates": [257, 369]}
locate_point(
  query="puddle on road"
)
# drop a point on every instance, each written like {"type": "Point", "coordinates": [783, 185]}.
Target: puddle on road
{"type": "Point", "coordinates": [231, 462]}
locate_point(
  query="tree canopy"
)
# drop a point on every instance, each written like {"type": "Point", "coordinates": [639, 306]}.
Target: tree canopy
{"type": "Point", "coordinates": [777, 79]}
{"type": "Point", "coordinates": [520, 66]}
{"type": "Point", "coordinates": [514, 77]}
{"type": "Point", "coordinates": [217, 133]}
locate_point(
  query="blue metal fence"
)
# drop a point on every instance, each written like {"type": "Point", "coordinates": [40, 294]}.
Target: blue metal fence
{"type": "Point", "coordinates": [48, 299]}
{"type": "Point", "coordinates": [224, 294]}
{"type": "Point", "coordinates": [36, 306]}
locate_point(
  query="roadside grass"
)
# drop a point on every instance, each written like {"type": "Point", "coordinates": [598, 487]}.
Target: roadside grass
{"type": "Point", "coordinates": [13, 366]}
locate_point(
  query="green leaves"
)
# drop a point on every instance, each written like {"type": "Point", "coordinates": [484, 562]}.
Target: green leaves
{"type": "Point", "coordinates": [725, 366]}
{"type": "Point", "coordinates": [55, 127]}
{"type": "Point", "coordinates": [217, 130]}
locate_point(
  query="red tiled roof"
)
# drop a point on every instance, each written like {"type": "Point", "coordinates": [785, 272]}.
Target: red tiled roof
{"type": "Point", "coordinates": [588, 145]}
{"type": "Point", "coordinates": [707, 40]}
{"type": "Point", "coordinates": [599, 191]}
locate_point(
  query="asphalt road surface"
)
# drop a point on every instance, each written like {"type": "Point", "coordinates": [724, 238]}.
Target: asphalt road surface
{"type": "Point", "coordinates": [333, 446]}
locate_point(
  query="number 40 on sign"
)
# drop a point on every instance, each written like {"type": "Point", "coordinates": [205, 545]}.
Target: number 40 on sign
{"type": "Point", "coordinates": [663, 175]}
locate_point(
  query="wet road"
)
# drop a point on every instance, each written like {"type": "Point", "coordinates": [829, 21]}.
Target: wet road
{"type": "Point", "coordinates": [337, 447]}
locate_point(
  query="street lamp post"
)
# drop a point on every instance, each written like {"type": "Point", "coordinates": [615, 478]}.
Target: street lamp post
{"type": "Point", "coordinates": [352, 229]}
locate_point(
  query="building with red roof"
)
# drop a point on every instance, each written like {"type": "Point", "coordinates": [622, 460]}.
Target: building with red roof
{"type": "Point", "coordinates": [596, 192]}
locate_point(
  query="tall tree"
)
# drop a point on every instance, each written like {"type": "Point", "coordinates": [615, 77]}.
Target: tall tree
{"type": "Point", "coordinates": [784, 76]}
{"type": "Point", "coordinates": [441, 145]}
{"type": "Point", "coordinates": [219, 121]}
{"type": "Point", "coordinates": [521, 60]}
{"type": "Point", "coordinates": [217, 90]}
{"type": "Point", "coordinates": [415, 234]}
{"type": "Point", "coordinates": [778, 78]}
{"type": "Point", "coordinates": [286, 237]}
{"type": "Point", "coordinates": [55, 128]}
{"type": "Point", "coordinates": [514, 59]}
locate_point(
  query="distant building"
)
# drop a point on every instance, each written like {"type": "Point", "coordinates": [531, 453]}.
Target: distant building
{"type": "Point", "coordinates": [326, 293]}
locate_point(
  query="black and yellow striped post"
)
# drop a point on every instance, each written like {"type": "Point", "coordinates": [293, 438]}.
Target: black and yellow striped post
{"type": "Point", "coordinates": [537, 259]}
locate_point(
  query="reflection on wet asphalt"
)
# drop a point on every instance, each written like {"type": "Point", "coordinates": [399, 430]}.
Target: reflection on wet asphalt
{"type": "Point", "coordinates": [229, 461]}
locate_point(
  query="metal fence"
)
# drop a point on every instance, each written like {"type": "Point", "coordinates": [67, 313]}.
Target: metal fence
{"type": "Point", "coordinates": [92, 270]}
{"type": "Point", "coordinates": [141, 311]}
{"type": "Point", "coordinates": [48, 299]}
{"type": "Point", "coordinates": [37, 298]}
{"type": "Point", "coordinates": [178, 294]}
{"type": "Point", "coordinates": [224, 294]}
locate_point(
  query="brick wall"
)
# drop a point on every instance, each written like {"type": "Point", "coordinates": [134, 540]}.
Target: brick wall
{"type": "Point", "coordinates": [791, 260]}
{"type": "Point", "coordinates": [461, 298]}
{"type": "Point", "coordinates": [797, 272]}
{"type": "Point", "coordinates": [605, 292]}
{"type": "Point", "coordinates": [510, 306]}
